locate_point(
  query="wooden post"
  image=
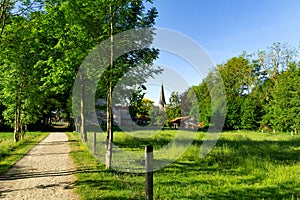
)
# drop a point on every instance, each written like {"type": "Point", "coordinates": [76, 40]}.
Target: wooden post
{"type": "Point", "coordinates": [95, 148]}
{"type": "Point", "coordinates": [149, 172]}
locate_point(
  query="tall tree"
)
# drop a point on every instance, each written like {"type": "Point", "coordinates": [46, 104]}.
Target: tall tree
{"type": "Point", "coordinates": [285, 105]}
{"type": "Point", "coordinates": [125, 15]}
{"type": "Point", "coordinates": [98, 22]}
{"type": "Point", "coordinates": [275, 59]}
{"type": "Point", "coordinates": [71, 37]}
{"type": "Point", "coordinates": [20, 73]}
{"type": "Point", "coordinates": [237, 74]}
{"type": "Point", "coordinates": [20, 21]}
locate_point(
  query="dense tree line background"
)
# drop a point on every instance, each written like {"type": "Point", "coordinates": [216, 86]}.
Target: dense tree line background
{"type": "Point", "coordinates": [262, 91]}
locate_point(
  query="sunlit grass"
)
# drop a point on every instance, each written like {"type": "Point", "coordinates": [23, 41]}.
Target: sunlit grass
{"type": "Point", "coordinates": [11, 152]}
{"type": "Point", "coordinates": [243, 165]}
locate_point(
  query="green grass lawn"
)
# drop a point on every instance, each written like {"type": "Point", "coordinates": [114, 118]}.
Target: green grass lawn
{"type": "Point", "coordinates": [243, 165]}
{"type": "Point", "coordinates": [11, 152]}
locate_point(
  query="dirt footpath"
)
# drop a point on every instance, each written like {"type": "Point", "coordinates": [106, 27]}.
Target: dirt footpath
{"type": "Point", "coordinates": [46, 172]}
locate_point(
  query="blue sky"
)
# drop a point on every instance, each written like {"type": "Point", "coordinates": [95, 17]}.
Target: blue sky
{"type": "Point", "coordinates": [226, 28]}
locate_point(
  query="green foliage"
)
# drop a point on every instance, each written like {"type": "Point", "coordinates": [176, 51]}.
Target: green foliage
{"type": "Point", "coordinates": [237, 75]}
{"type": "Point", "coordinates": [251, 112]}
{"type": "Point", "coordinates": [174, 106]}
{"type": "Point", "coordinates": [261, 91]}
{"type": "Point", "coordinates": [45, 42]}
{"type": "Point", "coordinates": [234, 112]}
{"type": "Point", "coordinates": [157, 117]}
{"type": "Point", "coordinates": [200, 102]}
{"type": "Point", "coordinates": [133, 68]}
{"type": "Point", "coordinates": [139, 107]}
{"type": "Point", "coordinates": [9, 9]}
{"type": "Point", "coordinates": [20, 71]}
{"type": "Point", "coordinates": [29, 53]}
{"type": "Point", "coordinates": [285, 105]}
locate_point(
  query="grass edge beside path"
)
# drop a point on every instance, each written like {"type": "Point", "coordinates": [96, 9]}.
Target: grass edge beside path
{"type": "Point", "coordinates": [82, 158]}
{"type": "Point", "coordinates": [242, 165]}
{"type": "Point", "coordinates": [96, 182]}
{"type": "Point", "coordinates": [20, 150]}
{"type": "Point", "coordinates": [84, 163]}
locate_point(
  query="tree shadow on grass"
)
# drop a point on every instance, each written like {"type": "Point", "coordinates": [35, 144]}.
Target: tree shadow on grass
{"type": "Point", "coordinates": [112, 189]}
{"type": "Point", "coordinates": [18, 173]}
{"type": "Point", "coordinates": [230, 160]}
{"type": "Point", "coordinates": [108, 184]}
{"type": "Point", "coordinates": [227, 159]}
{"type": "Point", "coordinates": [267, 192]}
{"type": "Point", "coordinates": [234, 152]}
{"type": "Point", "coordinates": [188, 181]}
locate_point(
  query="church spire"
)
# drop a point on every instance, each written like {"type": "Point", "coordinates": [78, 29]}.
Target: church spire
{"type": "Point", "coordinates": [162, 101]}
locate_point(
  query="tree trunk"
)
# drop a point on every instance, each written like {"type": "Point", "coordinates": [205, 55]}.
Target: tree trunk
{"type": "Point", "coordinates": [109, 116]}
{"type": "Point", "coordinates": [109, 138]}
{"type": "Point", "coordinates": [82, 108]}
{"type": "Point", "coordinates": [3, 15]}
{"type": "Point", "coordinates": [17, 128]}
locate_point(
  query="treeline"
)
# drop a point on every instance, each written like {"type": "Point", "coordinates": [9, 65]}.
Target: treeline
{"type": "Point", "coordinates": [41, 49]}
{"type": "Point", "coordinates": [43, 44]}
{"type": "Point", "coordinates": [262, 91]}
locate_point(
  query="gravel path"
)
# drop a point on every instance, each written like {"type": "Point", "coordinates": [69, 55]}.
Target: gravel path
{"type": "Point", "coordinates": [46, 172]}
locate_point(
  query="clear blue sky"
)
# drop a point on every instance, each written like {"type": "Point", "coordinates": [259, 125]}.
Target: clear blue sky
{"type": "Point", "coordinates": [226, 28]}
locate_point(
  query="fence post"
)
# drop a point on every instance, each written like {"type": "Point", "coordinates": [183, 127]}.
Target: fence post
{"type": "Point", "coordinates": [95, 148]}
{"type": "Point", "coordinates": [149, 172]}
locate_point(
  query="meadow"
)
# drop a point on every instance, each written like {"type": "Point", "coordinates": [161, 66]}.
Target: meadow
{"type": "Point", "coordinates": [242, 165]}
{"type": "Point", "coordinates": [11, 152]}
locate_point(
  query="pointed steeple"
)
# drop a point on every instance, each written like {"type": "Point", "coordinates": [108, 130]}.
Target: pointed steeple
{"type": "Point", "coordinates": [162, 101]}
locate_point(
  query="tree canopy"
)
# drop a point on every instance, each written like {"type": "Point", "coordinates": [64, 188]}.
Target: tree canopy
{"type": "Point", "coordinates": [261, 90]}
{"type": "Point", "coordinates": [43, 44]}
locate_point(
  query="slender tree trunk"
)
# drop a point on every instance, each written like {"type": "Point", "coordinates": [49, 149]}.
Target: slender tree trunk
{"type": "Point", "coordinates": [82, 108]}
{"type": "Point", "coordinates": [17, 128]}
{"type": "Point", "coordinates": [109, 138]}
{"type": "Point", "coordinates": [3, 15]}
{"type": "Point", "coordinates": [109, 116]}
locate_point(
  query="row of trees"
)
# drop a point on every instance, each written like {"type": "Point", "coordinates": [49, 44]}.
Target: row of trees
{"type": "Point", "coordinates": [43, 44]}
{"type": "Point", "coordinates": [262, 91]}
